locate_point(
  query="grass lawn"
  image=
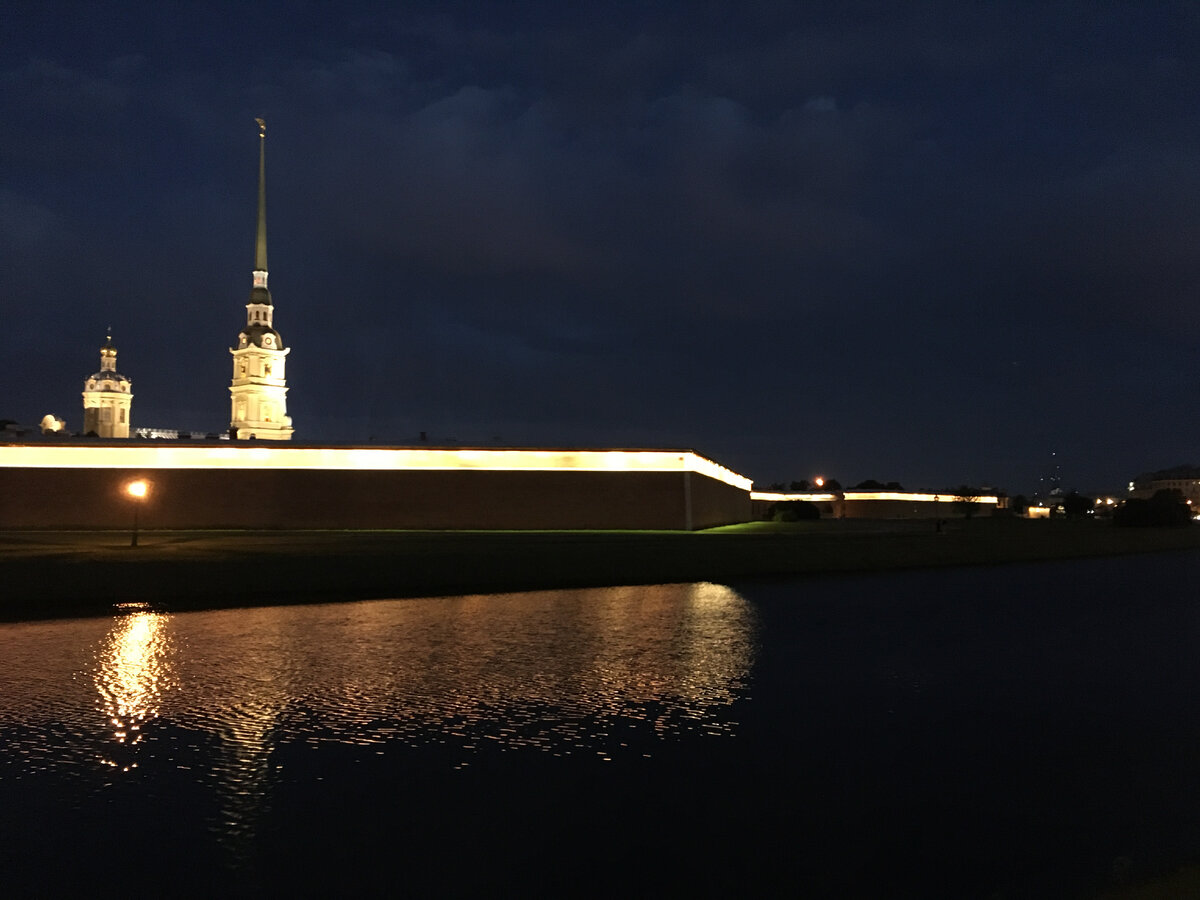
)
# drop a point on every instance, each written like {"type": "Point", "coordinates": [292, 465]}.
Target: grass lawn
{"type": "Point", "coordinates": [65, 573]}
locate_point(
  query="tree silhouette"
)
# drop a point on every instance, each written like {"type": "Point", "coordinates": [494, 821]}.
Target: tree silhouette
{"type": "Point", "coordinates": [966, 499]}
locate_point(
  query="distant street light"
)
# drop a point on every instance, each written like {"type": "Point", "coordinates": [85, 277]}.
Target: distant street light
{"type": "Point", "coordinates": [138, 491]}
{"type": "Point", "coordinates": [819, 481]}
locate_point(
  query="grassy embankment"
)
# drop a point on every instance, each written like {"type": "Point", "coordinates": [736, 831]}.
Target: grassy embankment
{"type": "Point", "coordinates": [63, 573]}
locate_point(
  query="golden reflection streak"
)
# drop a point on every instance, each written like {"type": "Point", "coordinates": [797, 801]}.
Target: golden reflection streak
{"type": "Point", "coordinates": [132, 676]}
{"type": "Point", "coordinates": [550, 670]}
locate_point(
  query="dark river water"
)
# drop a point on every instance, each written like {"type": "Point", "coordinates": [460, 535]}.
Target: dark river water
{"type": "Point", "coordinates": [1020, 731]}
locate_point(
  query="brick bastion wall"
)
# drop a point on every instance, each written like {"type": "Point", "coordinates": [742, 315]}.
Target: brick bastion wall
{"type": "Point", "coordinates": [235, 486]}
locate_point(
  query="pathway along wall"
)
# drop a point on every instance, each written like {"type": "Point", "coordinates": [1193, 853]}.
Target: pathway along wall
{"type": "Point", "coordinates": [302, 498]}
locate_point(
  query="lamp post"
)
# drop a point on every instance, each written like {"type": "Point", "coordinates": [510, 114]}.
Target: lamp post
{"type": "Point", "coordinates": [138, 491]}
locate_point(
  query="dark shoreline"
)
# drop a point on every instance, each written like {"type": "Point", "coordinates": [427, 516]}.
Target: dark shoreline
{"type": "Point", "coordinates": [56, 574]}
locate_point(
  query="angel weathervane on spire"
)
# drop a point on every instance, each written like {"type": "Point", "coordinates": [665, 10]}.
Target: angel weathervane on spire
{"type": "Point", "coordinates": [262, 128]}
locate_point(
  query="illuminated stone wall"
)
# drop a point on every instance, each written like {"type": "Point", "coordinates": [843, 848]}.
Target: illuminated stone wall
{"type": "Point", "coordinates": [258, 392]}
{"type": "Point", "coordinates": [272, 497]}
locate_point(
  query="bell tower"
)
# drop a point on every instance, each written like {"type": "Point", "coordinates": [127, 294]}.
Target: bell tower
{"type": "Point", "coordinates": [258, 392]}
{"type": "Point", "coordinates": [107, 397]}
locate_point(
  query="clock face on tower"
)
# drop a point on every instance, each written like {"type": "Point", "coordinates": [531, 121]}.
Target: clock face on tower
{"type": "Point", "coordinates": [268, 341]}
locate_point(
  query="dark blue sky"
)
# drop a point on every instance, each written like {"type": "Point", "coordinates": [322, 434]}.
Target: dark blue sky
{"type": "Point", "coordinates": [929, 242]}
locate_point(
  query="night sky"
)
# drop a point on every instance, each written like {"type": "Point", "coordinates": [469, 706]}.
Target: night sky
{"type": "Point", "coordinates": [931, 242]}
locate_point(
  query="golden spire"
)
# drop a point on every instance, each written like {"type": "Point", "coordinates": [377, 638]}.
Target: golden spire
{"type": "Point", "coordinates": [260, 245]}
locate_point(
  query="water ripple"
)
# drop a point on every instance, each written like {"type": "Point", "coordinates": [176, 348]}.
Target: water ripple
{"type": "Point", "coordinates": [209, 695]}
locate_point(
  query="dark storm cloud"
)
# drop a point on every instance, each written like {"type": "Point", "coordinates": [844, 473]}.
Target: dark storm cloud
{"type": "Point", "coordinates": [930, 242]}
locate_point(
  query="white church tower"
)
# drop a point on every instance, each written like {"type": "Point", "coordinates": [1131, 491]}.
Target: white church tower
{"type": "Point", "coordinates": [107, 397]}
{"type": "Point", "coordinates": [258, 393]}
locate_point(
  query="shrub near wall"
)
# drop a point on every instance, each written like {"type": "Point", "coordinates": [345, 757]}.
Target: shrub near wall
{"type": "Point", "coordinates": [1165, 508]}
{"type": "Point", "coordinates": [795, 511]}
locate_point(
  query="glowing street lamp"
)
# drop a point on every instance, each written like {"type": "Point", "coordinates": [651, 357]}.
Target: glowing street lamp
{"type": "Point", "coordinates": [138, 491]}
{"type": "Point", "coordinates": [819, 481]}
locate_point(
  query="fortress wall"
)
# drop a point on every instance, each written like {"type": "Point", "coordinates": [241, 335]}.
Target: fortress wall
{"type": "Point", "coordinates": [912, 509]}
{"type": "Point", "coordinates": [717, 503]}
{"type": "Point", "coordinates": [899, 505]}
{"type": "Point", "coordinates": [307, 498]}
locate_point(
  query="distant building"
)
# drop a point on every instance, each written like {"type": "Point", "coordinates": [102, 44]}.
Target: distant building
{"type": "Point", "coordinates": [107, 397]}
{"type": "Point", "coordinates": [1185, 479]}
{"type": "Point", "coordinates": [258, 392]}
{"type": "Point", "coordinates": [174, 434]}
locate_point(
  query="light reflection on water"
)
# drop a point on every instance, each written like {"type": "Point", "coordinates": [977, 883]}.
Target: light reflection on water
{"type": "Point", "coordinates": [132, 675]}
{"type": "Point", "coordinates": [957, 733]}
{"type": "Point", "coordinates": [210, 694]}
